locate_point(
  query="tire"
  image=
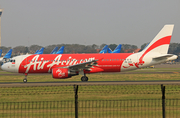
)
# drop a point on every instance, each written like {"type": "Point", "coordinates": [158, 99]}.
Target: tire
{"type": "Point", "coordinates": [24, 80]}
{"type": "Point", "coordinates": [84, 78]}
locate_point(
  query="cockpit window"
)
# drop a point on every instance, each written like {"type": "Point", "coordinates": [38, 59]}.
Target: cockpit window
{"type": "Point", "coordinates": [8, 60]}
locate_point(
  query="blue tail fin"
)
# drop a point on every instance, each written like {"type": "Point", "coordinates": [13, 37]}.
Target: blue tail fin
{"type": "Point", "coordinates": [109, 50]}
{"type": "Point", "coordinates": [104, 50]}
{"type": "Point", "coordinates": [117, 49]}
{"type": "Point", "coordinates": [36, 51]}
{"type": "Point", "coordinates": [54, 50]}
{"type": "Point", "coordinates": [61, 50]}
{"type": "Point", "coordinates": [40, 51]}
{"type": "Point", "coordinates": [8, 54]}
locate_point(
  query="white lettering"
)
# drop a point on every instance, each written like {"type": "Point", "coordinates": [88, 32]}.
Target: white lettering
{"type": "Point", "coordinates": [54, 62]}
{"type": "Point", "coordinates": [37, 65]}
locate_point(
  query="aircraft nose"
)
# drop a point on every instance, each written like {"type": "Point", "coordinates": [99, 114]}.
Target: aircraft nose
{"type": "Point", "coordinates": [4, 67]}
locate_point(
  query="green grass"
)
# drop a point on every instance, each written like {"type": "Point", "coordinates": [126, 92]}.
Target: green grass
{"type": "Point", "coordinates": [96, 92]}
{"type": "Point", "coordinates": [137, 75]}
{"type": "Point", "coordinates": [95, 100]}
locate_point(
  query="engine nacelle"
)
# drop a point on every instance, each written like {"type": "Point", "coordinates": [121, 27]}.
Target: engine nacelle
{"type": "Point", "coordinates": [61, 73]}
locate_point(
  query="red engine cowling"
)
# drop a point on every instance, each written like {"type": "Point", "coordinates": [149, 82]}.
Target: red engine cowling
{"type": "Point", "coordinates": [61, 73]}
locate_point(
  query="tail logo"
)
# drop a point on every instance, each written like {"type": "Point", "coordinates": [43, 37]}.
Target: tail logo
{"type": "Point", "coordinates": [60, 73]}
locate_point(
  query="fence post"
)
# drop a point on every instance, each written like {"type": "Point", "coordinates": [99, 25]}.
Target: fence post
{"type": "Point", "coordinates": [76, 100]}
{"type": "Point", "coordinates": [163, 100]}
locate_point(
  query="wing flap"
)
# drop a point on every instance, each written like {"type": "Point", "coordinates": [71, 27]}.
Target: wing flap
{"type": "Point", "coordinates": [82, 66]}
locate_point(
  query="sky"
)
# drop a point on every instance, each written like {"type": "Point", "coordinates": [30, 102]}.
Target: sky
{"type": "Point", "coordinates": [86, 22]}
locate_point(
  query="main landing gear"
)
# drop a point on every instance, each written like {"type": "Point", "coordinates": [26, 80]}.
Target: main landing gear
{"type": "Point", "coordinates": [25, 79]}
{"type": "Point", "coordinates": [84, 78]}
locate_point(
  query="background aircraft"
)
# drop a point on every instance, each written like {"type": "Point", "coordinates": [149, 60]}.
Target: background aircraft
{"type": "Point", "coordinates": [105, 49]}
{"type": "Point", "coordinates": [60, 51]}
{"type": "Point", "coordinates": [40, 51]}
{"type": "Point", "coordinates": [116, 50]}
{"type": "Point", "coordinates": [6, 57]}
{"type": "Point", "coordinates": [36, 51]}
{"type": "Point", "coordinates": [54, 50]}
{"type": "Point", "coordinates": [63, 66]}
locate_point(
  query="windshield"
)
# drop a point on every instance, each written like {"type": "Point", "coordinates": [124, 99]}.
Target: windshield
{"type": "Point", "coordinates": [5, 60]}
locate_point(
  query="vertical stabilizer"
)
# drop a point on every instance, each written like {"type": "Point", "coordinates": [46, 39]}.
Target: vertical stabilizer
{"type": "Point", "coordinates": [160, 43]}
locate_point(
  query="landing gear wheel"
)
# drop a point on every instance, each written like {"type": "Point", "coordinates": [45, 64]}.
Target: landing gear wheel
{"type": "Point", "coordinates": [84, 78]}
{"type": "Point", "coordinates": [24, 80]}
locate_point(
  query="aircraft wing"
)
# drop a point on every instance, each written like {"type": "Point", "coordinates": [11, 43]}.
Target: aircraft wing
{"type": "Point", "coordinates": [82, 66]}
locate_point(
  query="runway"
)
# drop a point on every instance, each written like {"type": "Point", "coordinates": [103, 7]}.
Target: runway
{"type": "Point", "coordinates": [29, 84]}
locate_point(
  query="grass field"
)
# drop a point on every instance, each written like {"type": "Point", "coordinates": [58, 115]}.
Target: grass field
{"type": "Point", "coordinates": [136, 75]}
{"type": "Point", "coordinates": [100, 101]}
{"type": "Point", "coordinates": [103, 92]}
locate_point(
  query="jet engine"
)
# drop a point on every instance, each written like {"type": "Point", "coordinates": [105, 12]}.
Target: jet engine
{"type": "Point", "coordinates": [62, 73]}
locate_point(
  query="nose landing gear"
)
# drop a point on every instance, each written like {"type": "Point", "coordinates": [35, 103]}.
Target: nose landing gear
{"type": "Point", "coordinates": [25, 79]}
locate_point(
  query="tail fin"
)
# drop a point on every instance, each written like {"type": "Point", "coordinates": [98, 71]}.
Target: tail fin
{"type": "Point", "coordinates": [40, 51]}
{"type": "Point", "coordinates": [8, 54]}
{"type": "Point", "coordinates": [60, 51]}
{"type": "Point", "coordinates": [161, 42]}
{"type": "Point", "coordinates": [36, 51]}
{"type": "Point", "coordinates": [104, 50]}
{"type": "Point", "coordinates": [54, 50]}
{"type": "Point", "coordinates": [109, 50]}
{"type": "Point", "coordinates": [118, 49]}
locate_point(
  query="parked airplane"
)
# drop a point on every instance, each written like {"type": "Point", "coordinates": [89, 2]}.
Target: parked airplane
{"type": "Point", "coordinates": [36, 51]}
{"type": "Point", "coordinates": [67, 65]}
{"type": "Point", "coordinates": [0, 52]}
{"type": "Point", "coordinates": [54, 50]}
{"type": "Point", "coordinates": [109, 50]}
{"type": "Point", "coordinates": [6, 57]}
{"type": "Point", "coordinates": [105, 49]}
{"type": "Point", "coordinates": [116, 50]}
{"type": "Point", "coordinates": [40, 51]}
{"type": "Point", "coordinates": [60, 51]}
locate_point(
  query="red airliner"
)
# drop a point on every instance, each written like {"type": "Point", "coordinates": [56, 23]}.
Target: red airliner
{"type": "Point", "coordinates": [67, 65]}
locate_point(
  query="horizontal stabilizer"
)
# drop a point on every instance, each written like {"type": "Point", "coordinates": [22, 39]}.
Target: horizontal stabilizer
{"type": "Point", "coordinates": [165, 56]}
